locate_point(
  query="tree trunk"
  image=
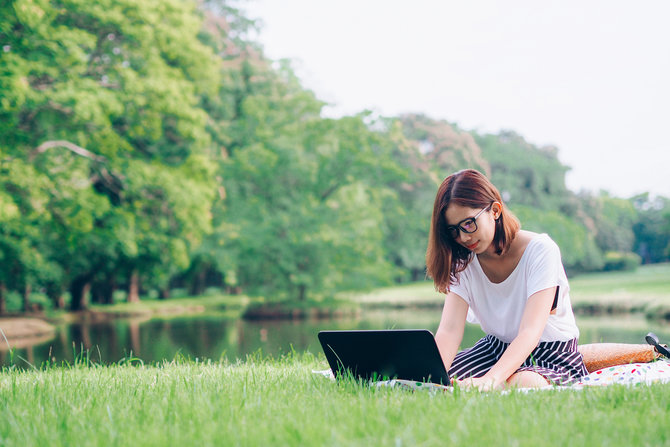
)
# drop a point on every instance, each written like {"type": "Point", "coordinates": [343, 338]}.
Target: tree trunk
{"type": "Point", "coordinates": [134, 287]}
{"type": "Point", "coordinates": [103, 292]}
{"type": "Point", "coordinates": [302, 292]}
{"type": "Point", "coordinates": [108, 293]}
{"type": "Point", "coordinates": [78, 291]}
{"type": "Point", "coordinates": [164, 293]}
{"type": "Point", "coordinates": [199, 282]}
{"type": "Point", "coordinates": [3, 300]}
{"type": "Point", "coordinates": [96, 293]}
{"type": "Point", "coordinates": [26, 297]}
{"type": "Point", "coordinates": [55, 294]}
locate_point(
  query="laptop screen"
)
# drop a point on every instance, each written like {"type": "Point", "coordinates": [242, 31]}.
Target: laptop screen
{"type": "Point", "coordinates": [409, 354]}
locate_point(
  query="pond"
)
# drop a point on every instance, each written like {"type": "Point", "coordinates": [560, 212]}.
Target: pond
{"type": "Point", "coordinates": [214, 337]}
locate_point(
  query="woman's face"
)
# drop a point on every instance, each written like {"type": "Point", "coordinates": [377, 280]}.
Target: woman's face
{"type": "Point", "coordinates": [481, 239]}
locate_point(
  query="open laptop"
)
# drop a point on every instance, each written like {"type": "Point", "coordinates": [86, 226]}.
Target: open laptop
{"type": "Point", "coordinates": [409, 354]}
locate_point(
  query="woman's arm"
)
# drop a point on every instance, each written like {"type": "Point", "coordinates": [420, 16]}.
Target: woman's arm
{"type": "Point", "coordinates": [533, 321]}
{"type": "Point", "coordinates": [450, 331]}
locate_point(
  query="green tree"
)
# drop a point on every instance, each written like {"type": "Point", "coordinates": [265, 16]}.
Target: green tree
{"type": "Point", "coordinates": [652, 229]}
{"type": "Point", "coordinates": [611, 221]}
{"type": "Point", "coordinates": [524, 173]}
{"type": "Point", "coordinates": [119, 83]}
{"type": "Point", "coordinates": [427, 150]}
{"type": "Point", "coordinates": [24, 260]}
{"type": "Point", "coordinates": [302, 206]}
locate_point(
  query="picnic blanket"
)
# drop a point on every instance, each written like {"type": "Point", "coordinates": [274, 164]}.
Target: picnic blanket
{"type": "Point", "coordinates": [629, 374]}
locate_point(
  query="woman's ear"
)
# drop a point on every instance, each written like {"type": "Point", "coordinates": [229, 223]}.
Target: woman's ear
{"type": "Point", "coordinates": [496, 210]}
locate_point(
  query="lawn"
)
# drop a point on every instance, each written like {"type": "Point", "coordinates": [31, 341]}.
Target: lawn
{"type": "Point", "coordinates": [281, 402]}
{"type": "Point", "coordinates": [646, 289]}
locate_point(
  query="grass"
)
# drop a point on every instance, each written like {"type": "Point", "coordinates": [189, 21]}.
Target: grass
{"type": "Point", "coordinates": [419, 294]}
{"type": "Point", "coordinates": [177, 305]}
{"type": "Point", "coordinates": [280, 402]}
{"type": "Point", "coordinates": [264, 401]}
{"type": "Point", "coordinates": [646, 289]}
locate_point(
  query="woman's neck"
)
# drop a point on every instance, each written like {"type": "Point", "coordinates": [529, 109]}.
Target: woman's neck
{"type": "Point", "coordinates": [498, 267]}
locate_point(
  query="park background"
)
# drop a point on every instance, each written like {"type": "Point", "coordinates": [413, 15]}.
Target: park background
{"type": "Point", "coordinates": [161, 177]}
{"type": "Point", "coordinates": [153, 148]}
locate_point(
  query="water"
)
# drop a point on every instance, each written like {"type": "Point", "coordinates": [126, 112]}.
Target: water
{"type": "Point", "coordinates": [213, 337]}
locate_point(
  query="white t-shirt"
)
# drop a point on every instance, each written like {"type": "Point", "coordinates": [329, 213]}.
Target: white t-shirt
{"type": "Point", "coordinates": [498, 307]}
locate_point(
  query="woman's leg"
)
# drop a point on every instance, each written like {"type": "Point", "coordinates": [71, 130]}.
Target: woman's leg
{"type": "Point", "coordinates": [558, 362]}
{"type": "Point", "coordinates": [550, 363]}
{"type": "Point", "coordinates": [527, 379]}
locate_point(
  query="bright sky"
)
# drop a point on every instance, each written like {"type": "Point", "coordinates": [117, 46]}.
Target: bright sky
{"type": "Point", "coordinates": [590, 77]}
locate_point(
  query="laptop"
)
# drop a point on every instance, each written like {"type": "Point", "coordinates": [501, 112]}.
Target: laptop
{"type": "Point", "coordinates": [409, 354]}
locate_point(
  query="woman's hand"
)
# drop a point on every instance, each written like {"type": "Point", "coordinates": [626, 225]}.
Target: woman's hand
{"type": "Point", "coordinates": [477, 383]}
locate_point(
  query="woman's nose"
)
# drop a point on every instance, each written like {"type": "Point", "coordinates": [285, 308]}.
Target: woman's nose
{"type": "Point", "coordinates": [463, 235]}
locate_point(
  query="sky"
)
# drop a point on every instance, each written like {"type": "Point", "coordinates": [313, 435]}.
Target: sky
{"type": "Point", "coordinates": [589, 77]}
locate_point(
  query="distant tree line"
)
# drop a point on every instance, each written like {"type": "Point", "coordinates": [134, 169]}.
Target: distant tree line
{"type": "Point", "coordinates": [147, 146]}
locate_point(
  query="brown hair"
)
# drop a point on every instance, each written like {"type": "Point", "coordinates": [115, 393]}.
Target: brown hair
{"type": "Point", "coordinates": [445, 258]}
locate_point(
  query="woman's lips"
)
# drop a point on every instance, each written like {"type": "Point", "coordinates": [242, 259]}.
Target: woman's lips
{"type": "Point", "coordinates": [472, 247]}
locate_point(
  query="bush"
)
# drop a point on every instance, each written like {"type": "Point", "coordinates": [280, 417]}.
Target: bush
{"type": "Point", "coordinates": [622, 261]}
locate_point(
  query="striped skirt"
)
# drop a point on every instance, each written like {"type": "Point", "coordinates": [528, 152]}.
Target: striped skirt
{"type": "Point", "coordinates": [557, 361]}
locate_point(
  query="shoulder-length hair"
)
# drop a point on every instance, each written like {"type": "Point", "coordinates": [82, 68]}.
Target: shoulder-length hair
{"type": "Point", "coordinates": [446, 258]}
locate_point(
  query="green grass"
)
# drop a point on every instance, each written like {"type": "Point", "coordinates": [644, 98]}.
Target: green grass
{"type": "Point", "coordinates": [653, 279]}
{"type": "Point", "coordinates": [280, 402]}
{"type": "Point", "coordinates": [646, 289]}
{"type": "Point", "coordinates": [230, 304]}
{"type": "Point", "coordinates": [649, 284]}
{"type": "Point", "coordinates": [407, 295]}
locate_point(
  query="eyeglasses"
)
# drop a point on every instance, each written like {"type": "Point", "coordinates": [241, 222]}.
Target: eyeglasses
{"type": "Point", "coordinates": [468, 225]}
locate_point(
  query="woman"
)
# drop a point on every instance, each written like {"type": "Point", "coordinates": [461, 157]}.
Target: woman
{"type": "Point", "coordinates": [510, 281]}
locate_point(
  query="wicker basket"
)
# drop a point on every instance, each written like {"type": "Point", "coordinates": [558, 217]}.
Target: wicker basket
{"type": "Point", "coordinates": [601, 355]}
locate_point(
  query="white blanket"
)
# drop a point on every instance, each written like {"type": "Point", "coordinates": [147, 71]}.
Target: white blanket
{"type": "Point", "coordinates": [631, 374]}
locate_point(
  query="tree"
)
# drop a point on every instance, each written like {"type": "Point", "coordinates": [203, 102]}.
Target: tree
{"type": "Point", "coordinates": [611, 220]}
{"type": "Point", "coordinates": [652, 229]}
{"type": "Point", "coordinates": [524, 173]}
{"type": "Point", "coordinates": [122, 81]}
{"type": "Point", "coordinates": [427, 151]}
{"type": "Point", "coordinates": [302, 207]}
{"type": "Point", "coordinates": [24, 254]}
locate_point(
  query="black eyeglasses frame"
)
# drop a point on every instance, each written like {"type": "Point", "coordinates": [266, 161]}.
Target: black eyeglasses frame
{"type": "Point", "coordinates": [455, 230]}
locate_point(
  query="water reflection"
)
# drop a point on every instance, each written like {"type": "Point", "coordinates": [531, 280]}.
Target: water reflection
{"type": "Point", "coordinates": [213, 337]}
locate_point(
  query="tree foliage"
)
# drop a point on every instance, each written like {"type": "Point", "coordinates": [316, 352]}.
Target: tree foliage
{"type": "Point", "coordinates": [302, 194]}
{"type": "Point", "coordinates": [120, 81]}
{"type": "Point", "coordinates": [148, 145]}
{"type": "Point", "coordinates": [524, 173]}
{"type": "Point", "coordinates": [652, 228]}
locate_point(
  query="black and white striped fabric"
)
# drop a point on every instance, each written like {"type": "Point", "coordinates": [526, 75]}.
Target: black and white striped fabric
{"type": "Point", "coordinates": [558, 361]}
